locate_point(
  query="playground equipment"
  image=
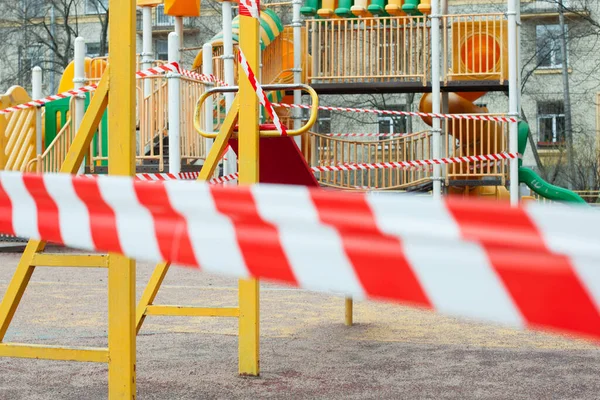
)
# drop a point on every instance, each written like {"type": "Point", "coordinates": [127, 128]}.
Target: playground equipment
{"type": "Point", "coordinates": [394, 47]}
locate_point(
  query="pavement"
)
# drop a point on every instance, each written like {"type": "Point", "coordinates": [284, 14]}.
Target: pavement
{"type": "Point", "coordinates": [307, 352]}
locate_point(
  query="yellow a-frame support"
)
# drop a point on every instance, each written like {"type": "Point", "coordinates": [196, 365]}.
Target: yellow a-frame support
{"type": "Point", "coordinates": [116, 87]}
{"type": "Point", "coordinates": [244, 109]}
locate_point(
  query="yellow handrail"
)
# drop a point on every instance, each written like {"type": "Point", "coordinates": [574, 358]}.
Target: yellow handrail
{"type": "Point", "coordinates": [267, 133]}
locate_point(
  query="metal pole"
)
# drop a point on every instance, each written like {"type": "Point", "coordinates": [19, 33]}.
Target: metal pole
{"type": "Point", "coordinates": [179, 30]}
{"type": "Point", "coordinates": [121, 161]}
{"type": "Point", "coordinates": [566, 96]}
{"type": "Point", "coordinates": [436, 93]}
{"type": "Point", "coordinates": [174, 107]}
{"type": "Point", "coordinates": [36, 94]}
{"type": "Point", "coordinates": [513, 99]}
{"type": "Point", "coordinates": [297, 26]}
{"type": "Point", "coordinates": [147, 53]}
{"type": "Point", "coordinates": [207, 69]}
{"type": "Point", "coordinates": [53, 34]}
{"type": "Point", "coordinates": [230, 165]}
{"type": "Point", "coordinates": [78, 82]}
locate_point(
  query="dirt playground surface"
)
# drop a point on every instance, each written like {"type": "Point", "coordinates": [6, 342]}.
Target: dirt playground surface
{"type": "Point", "coordinates": [306, 351]}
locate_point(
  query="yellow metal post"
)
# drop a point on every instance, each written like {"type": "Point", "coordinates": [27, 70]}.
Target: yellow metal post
{"type": "Point", "coordinates": [348, 306]}
{"type": "Point", "coordinates": [121, 161]}
{"type": "Point", "coordinates": [248, 174]}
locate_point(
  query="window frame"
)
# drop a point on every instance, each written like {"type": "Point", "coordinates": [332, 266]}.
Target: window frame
{"type": "Point", "coordinates": [90, 9]}
{"type": "Point", "coordinates": [555, 140]}
{"type": "Point", "coordinates": [557, 45]}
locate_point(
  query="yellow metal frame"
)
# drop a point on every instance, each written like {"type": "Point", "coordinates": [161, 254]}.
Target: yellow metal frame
{"type": "Point", "coordinates": [120, 354]}
{"type": "Point", "coordinates": [244, 109]}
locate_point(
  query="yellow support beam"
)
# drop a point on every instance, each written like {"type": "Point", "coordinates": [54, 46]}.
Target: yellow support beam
{"type": "Point", "coordinates": [56, 353]}
{"type": "Point", "coordinates": [70, 260]}
{"type": "Point", "coordinates": [184, 311]}
{"type": "Point", "coordinates": [221, 142]}
{"type": "Point", "coordinates": [121, 161]}
{"type": "Point", "coordinates": [248, 162]}
{"type": "Point", "coordinates": [156, 280]}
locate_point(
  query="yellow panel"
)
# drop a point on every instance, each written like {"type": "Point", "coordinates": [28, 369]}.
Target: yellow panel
{"type": "Point", "coordinates": [182, 8]}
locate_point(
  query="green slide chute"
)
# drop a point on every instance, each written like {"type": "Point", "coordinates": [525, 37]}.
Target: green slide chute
{"type": "Point", "coordinates": [535, 182]}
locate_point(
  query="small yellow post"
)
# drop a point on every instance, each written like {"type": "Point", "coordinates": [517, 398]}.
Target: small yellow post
{"type": "Point", "coordinates": [121, 161]}
{"type": "Point", "coordinates": [249, 295]}
{"type": "Point", "coordinates": [349, 306]}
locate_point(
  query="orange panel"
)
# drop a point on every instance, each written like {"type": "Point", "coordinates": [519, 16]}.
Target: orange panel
{"type": "Point", "coordinates": [182, 8]}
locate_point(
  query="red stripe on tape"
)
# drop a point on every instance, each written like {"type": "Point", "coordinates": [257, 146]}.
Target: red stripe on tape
{"type": "Point", "coordinates": [258, 239]}
{"type": "Point", "coordinates": [401, 282]}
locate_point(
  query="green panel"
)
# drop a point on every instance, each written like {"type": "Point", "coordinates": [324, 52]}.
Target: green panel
{"type": "Point", "coordinates": [55, 118]}
{"type": "Point", "coordinates": [104, 126]}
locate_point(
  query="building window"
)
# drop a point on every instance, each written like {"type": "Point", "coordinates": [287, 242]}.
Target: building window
{"type": "Point", "coordinates": [551, 123]}
{"type": "Point", "coordinates": [162, 50]}
{"type": "Point", "coordinates": [33, 8]}
{"type": "Point", "coordinates": [93, 49]}
{"type": "Point", "coordinates": [549, 46]}
{"type": "Point", "coordinates": [391, 123]}
{"type": "Point", "coordinates": [96, 6]}
{"type": "Point", "coordinates": [160, 19]}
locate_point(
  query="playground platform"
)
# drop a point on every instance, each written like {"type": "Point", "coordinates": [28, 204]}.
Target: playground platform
{"type": "Point", "coordinates": [307, 352]}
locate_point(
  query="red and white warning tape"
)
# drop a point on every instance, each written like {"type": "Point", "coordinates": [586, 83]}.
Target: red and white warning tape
{"type": "Point", "coordinates": [158, 70]}
{"type": "Point", "coordinates": [166, 176]}
{"type": "Point", "coordinates": [415, 163]}
{"type": "Point", "coordinates": [41, 102]}
{"type": "Point", "coordinates": [366, 134]}
{"type": "Point", "coordinates": [476, 117]}
{"type": "Point", "coordinates": [202, 77]}
{"type": "Point", "coordinates": [262, 98]}
{"type": "Point", "coordinates": [223, 179]}
{"type": "Point", "coordinates": [158, 177]}
{"type": "Point", "coordinates": [527, 267]}
{"type": "Point", "coordinates": [171, 67]}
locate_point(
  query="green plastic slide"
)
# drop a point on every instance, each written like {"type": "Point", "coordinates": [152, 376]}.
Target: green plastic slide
{"type": "Point", "coordinates": [535, 182]}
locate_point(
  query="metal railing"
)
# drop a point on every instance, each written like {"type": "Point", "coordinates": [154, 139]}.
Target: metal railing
{"type": "Point", "coordinates": [369, 49]}
{"type": "Point", "coordinates": [52, 159]}
{"type": "Point", "coordinates": [466, 137]}
{"type": "Point", "coordinates": [323, 150]}
{"type": "Point", "coordinates": [475, 47]}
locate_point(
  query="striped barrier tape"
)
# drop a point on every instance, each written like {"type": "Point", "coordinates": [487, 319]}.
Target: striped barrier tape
{"type": "Point", "coordinates": [202, 77]}
{"type": "Point", "coordinates": [262, 98]}
{"type": "Point", "coordinates": [41, 102]}
{"type": "Point", "coordinates": [366, 134]}
{"type": "Point", "coordinates": [159, 177]}
{"type": "Point", "coordinates": [475, 117]}
{"type": "Point", "coordinates": [171, 67]}
{"type": "Point", "coordinates": [251, 8]}
{"type": "Point", "coordinates": [414, 163]}
{"type": "Point", "coordinates": [535, 266]}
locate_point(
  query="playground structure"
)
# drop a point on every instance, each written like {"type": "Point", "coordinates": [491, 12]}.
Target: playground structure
{"type": "Point", "coordinates": [153, 125]}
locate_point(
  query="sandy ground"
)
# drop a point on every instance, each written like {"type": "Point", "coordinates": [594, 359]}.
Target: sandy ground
{"type": "Point", "coordinates": [306, 351]}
